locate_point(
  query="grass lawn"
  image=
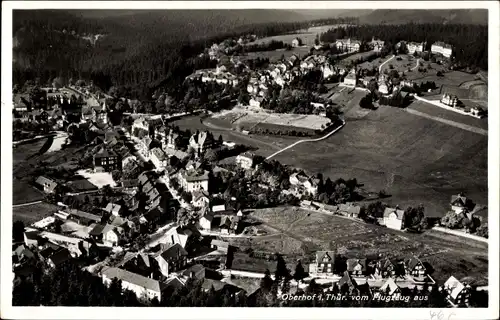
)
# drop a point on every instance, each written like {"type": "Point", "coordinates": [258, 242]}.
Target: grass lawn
{"type": "Point", "coordinates": [346, 61]}
{"type": "Point", "coordinates": [275, 55]}
{"type": "Point", "coordinates": [355, 239]}
{"type": "Point", "coordinates": [33, 213]}
{"type": "Point", "coordinates": [23, 192]}
{"type": "Point", "coordinates": [307, 35]}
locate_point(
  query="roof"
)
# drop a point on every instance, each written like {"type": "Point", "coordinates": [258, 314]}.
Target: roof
{"type": "Point", "coordinates": [218, 208]}
{"type": "Point", "coordinates": [413, 262]}
{"type": "Point", "coordinates": [173, 251]}
{"type": "Point", "coordinates": [105, 152]}
{"type": "Point", "coordinates": [321, 254]}
{"type": "Point", "coordinates": [81, 185]}
{"type": "Point", "coordinates": [347, 279]}
{"type": "Point", "coordinates": [194, 176]}
{"type": "Point", "coordinates": [349, 208]}
{"type": "Point", "coordinates": [454, 286]}
{"type": "Point", "coordinates": [216, 284]}
{"type": "Point", "coordinates": [101, 229]}
{"type": "Point", "coordinates": [60, 256]}
{"type": "Point", "coordinates": [41, 180]}
{"type": "Point", "coordinates": [384, 264]}
{"type": "Point", "coordinates": [458, 200]}
{"type": "Point", "coordinates": [393, 287]}
{"type": "Point", "coordinates": [176, 153]}
{"type": "Point", "coordinates": [399, 212]}
{"type": "Point", "coordinates": [130, 183]}
{"type": "Point", "coordinates": [113, 207]}
{"type": "Point", "coordinates": [351, 263]}
{"type": "Point", "coordinates": [83, 214]}
{"type": "Point", "coordinates": [198, 194]}
{"type": "Point", "coordinates": [219, 243]}
{"type": "Point", "coordinates": [130, 277]}
{"type": "Point", "coordinates": [197, 269]}
{"type": "Point", "coordinates": [159, 154]}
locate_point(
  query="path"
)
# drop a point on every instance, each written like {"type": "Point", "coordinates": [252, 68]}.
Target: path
{"type": "Point", "coordinates": [307, 140]}
{"type": "Point", "coordinates": [380, 67]}
{"type": "Point", "coordinates": [418, 63]}
{"type": "Point", "coordinates": [449, 122]}
{"type": "Point", "coordinates": [25, 204]}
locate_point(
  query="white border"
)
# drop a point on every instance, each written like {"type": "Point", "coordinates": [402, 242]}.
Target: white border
{"type": "Point", "coordinates": [8, 312]}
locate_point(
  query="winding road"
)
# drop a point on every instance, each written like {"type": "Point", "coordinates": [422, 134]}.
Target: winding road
{"type": "Point", "coordinates": [307, 140]}
{"type": "Point", "coordinates": [380, 67]}
{"type": "Point", "coordinates": [418, 63]}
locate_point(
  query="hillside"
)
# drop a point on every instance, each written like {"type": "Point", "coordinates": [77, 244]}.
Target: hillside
{"type": "Point", "coordinates": [386, 16]}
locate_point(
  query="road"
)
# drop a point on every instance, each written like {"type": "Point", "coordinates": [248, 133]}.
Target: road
{"type": "Point", "coordinates": [380, 67]}
{"type": "Point", "coordinates": [307, 140]}
{"type": "Point", "coordinates": [25, 204]}
{"type": "Point", "coordinates": [418, 63]}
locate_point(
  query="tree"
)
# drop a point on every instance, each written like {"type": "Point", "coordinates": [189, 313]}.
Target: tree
{"type": "Point", "coordinates": [282, 272]}
{"type": "Point", "coordinates": [18, 231]}
{"type": "Point", "coordinates": [300, 273]}
{"type": "Point", "coordinates": [452, 220]}
{"type": "Point", "coordinates": [58, 83]}
{"type": "Point", "coordinates": [267, 282]}
{"type": "Point", "coordinates": [211, 155]}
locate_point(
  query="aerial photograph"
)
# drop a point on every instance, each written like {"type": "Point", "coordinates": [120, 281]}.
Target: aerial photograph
{"type": "Point", "coordinates": [250, 158]}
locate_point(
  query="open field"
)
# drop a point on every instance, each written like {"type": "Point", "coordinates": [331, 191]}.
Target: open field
{"type": "Point", "coordinates": [356, 239]}
{"type": "Point", "coordinates": [33, 213]}
{"type": "Point", "coordinates": [406, 62]}
{"type": "Point", "coordinates": [23, 192]}
{"type": "Point", "coordinates": [307, 35]}
{"type": "Point", "coordinates": [446, 114]}
{"type": "Point", "coordinates": [346, 61]}
{"type": "Point", "coordinates": [274, 55]}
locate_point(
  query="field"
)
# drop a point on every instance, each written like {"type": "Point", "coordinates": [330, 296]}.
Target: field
{"type": "Point", "coordinates": [307, 35]}
{"type": "Point", "coordinates": [274, 55]}
{"type": "Point", "coordinates": [312, 122]}
{"type": "Point", "coordinates": [23, 192]}
{"type": "Point", "coordinates": [34, 212]}
{"type": "Point", "coordinates": [355, 239]}
{"type": "Point", "coordinates": [346, 61]}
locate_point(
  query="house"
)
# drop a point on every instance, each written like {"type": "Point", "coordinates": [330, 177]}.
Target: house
{"type": "Point", "coordinates": [205, 221]}
{"type": "Point", "coordinates": [107, 159]}
{"type": "Point", "coordinates": [302, 182]}
{"type": "Point", "coordinates": [170, 258]}
{"type": "Point", "coordinates": [245, 160]}
{"type": "Point", "coordinates": [172, 140]}
{"type": "Point", "coordinates": [390, 288]}
{"type": "Point", "coordinates": [169, 152]}
{"type": "Point", "coordinates": [324, 263]}
{"type": "Point", "coordinates": [142, 286]}
{"type": "Point", "coordinates": [349, 210]}
{"type": "Point", "coordinates": [194, 180]}
{"type": "Point", "coordinates": [377, 45]}
{"type": "Point", "coordinates": [129, 185]}
{"type": "Point", "coordinates": [114, 209]}
{"type": "Point", "coordinates": [449, 100]}
{"type": "Point", "coordinates": [201, 141]}
{"type": "Point", "coordinates": [415, 47]}
{"type": "Point", "coordinates": [349, 284]}
{"type": "Point", "coordinates": [178, 236]}
{"type": "Point", "coordinates": [47, 185]}
{"type": "Point", "coordinates": [350, 79]}
{"type": "Point", "coordinates": [31, 238]}
{"type": "Point", "coordinates": [356, 267]}
{"type": "Point", "coordinates": [159, 158]}
{"type": "Point", "coordinates": [99, 113]}
{"type": "Point", "coordinates": [229, 224]}
{"type": "Point", "coordinates": [297, 42]}
{"type": "Point", "coordinates": [385, 268]}
{"type": "Point", "coordinates": [393, 218]}
{"type": "Point", "coordinates": [459, 203]}
{"type": "Point", "coordinates": [257, 102]}
{"type": "Point", "coordinates": [220, 245]}
{"type": "Point", "coordinates": [478, 112]}
{"type": "Point", "coordinates": [457, 292]}
{"type": "Point", "coordinates": [348, 45]}
{"type": "Point", "coordinates": [81, 217]}
{"type": "Point", "coordinates": [328, 70]}
{"type": "Point", "coordinates": [59, 257]}
{"type": "Point", "coordinates": [442, 48]}
{"type": "Point", "coordinates": [200, 199]}
{"type": "Point", "coordinates": [415, 268]}
{"type": "Point", "coordinates": [106, 233]}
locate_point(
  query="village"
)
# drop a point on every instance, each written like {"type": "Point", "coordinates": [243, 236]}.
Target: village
{"type": "Point", "coordinates": [156, 207]}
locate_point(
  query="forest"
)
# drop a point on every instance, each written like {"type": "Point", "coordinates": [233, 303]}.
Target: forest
{"type": "Point", "coordinates": [470, 42]}
{"type": "Point", "coordinates": [140, 54]}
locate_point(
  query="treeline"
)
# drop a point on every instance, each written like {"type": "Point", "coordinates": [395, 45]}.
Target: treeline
{"type": "Point", "coordinates": [470, 42]}
{"type": "Point", "coordinates": [134, 56]}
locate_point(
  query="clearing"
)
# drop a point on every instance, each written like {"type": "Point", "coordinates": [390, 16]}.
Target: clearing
{"type": "Point", "coordinates": [353, 239]}
{"type": "Point", "coordinates": [33, 213]}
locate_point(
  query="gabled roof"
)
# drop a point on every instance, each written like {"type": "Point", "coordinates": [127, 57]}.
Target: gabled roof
{"type": "Point", "coordinates": [413, 262]}
{"type": "Point", "coordinates": [454, 286]}
{"type": "Point", "coordinates": [101, 229]}
{"type": "Point", "coordinates": [393, 287]}
{"type": "Point", "coordinates": [349, 208]}
{"type": "Point", "coordinates": [458, 200]}
{"type": "Point", "coordinates": [41, 180]}
{"type": "Point", "coordinates": [130, 277]}
{"type": "Point", "coordinates": [60, 256]}
{"type": "Point", "coordinates": [104, 153]}
{"type": "Point", "coordinates": [199, 194]}
{"type": "Point", "coordinates": [219, 243]}
{"type": "Point", "coordinates": [172, 251]}
{"type": "Point", "coordinates": [385, 264]}
{"type": "Point", "coordinates": [321, 254]}
{"type": "Point", "coordinates": [198, 270]}
{"type": "Point", "coordinates": [399, 213]}
{"type": "Point", "coordinates": [351, 263]}
{"type": "Point", "coordinates": [347, 279]}
{"type": "Point", "coordinates": [113, 207]}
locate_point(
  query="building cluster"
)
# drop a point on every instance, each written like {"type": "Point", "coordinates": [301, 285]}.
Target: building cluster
{"type": "Point", "coordinates": [219, 75]}
{"type": "Point", "coordinates": [385, 276]}
{"type": "Point", "coordinates": [452, 101]}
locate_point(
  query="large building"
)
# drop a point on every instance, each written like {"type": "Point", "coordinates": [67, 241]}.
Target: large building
{"type": "Point", "coordinates": [393, 218]}
{"type": "Point", "coordinates": [348, 45]}
{"type": "Point", "coordinates": [142, 286]}
{"type": "Point", "coordinates": [107, 159]}
{"type": "Point", "coordinates": [414, 47]}
{"type": "Point", "coordinates": [449, 100]}
{"type": "Point", "coordinates": [442, 48]}
{"type": "Point", "coordinates": [194, 180]}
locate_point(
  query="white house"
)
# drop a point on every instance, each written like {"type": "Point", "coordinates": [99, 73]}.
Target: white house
{"type": "Point", "coordinates": [194, 181]}
{"type": "Point", "coordinates": [159, 158]}
{"type": "Point", "coordinates": [142, 286]}
{"type": "Point", "coordinates": [171, 258]}
{"type": "Point", "coordinates": [459, 203]}
{"type": "Point", "coordinates": [393, 218]}
{"type": "Point", "coordinates": [205, 221]}
{"type": "Point", "coordinates": [108, 234]}
{"type": "Point", "coordinates": [390, 287]}
{"type": "Point", "coordinates": [449, 100]}
{"type": "Point", "coordinates": [350, 79]}
{"type": "Point", "coordinates": [114, 209]}
{"type": "Point", "coordinates": [245, 160]}
{"type": "Point", "coordinates": [442, 48]}
{"type": "Point", "coordinates": [297, 42]}
{"type": "Point", "coordinates": [328, 70]}
{"type": "Point", "coordinates": [457, 292]}
{"type": "Point", "coordinates": [414, 47]}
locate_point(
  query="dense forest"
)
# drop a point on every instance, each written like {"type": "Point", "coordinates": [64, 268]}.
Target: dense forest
{"type": "Point", "coordinates": [142, 51]}
{"type": "Point", "coordinates": [470, 42]}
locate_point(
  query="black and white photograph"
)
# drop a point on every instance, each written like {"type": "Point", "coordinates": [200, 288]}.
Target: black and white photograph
{"type": "Point", "coordinates": [232, 154]}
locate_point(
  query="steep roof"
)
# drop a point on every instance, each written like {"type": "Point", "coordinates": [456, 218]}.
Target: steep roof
{"type": "Point", "coordinates": [41, 180]}
{"type": "Point", "coordinates": [350, 208]}
{"type": "Point", "coordinates": [399, 213]}
{"type": "Point", "coordinates": [393, 287]}
{"type": "Point", "coordinates": [413, 262]}
{"type": "Point", "coordinates": [454, 286]}
{"type": "Point", "coordinates": [60, 256]}
{"type": "Point", "coordinates": [131, 277]}
{"type": "Point", "coordinates": [173, 251]}
{"type": "Point", "coordinates": [351, 263]}
{"type": "Point", "coordinates": [458, 200]}
{"type": "Point", "coordinates": [347, 279]}
{"type": "Point", "coordinates": [104, 153]}
{"type": "Point", "coordinates": [321, 254]}
{"type": "Point", "coordinates": [101, 229]}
